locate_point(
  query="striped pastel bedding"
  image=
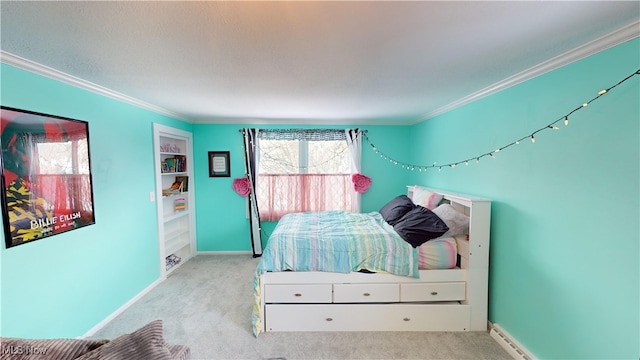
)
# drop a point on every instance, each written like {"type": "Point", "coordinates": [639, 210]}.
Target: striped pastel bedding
{"type": "Point", "coordinates": [337, 241]}
{"type": "Point", "coordinates": [334, 241]}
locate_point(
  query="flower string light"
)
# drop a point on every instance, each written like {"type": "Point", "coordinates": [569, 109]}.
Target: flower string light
{"type": "Point", "coordinates": [492, 154]}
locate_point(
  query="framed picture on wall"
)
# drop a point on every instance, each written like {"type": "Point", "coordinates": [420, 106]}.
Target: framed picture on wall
{"type": "Point", "coordinates": [46, 175]}
{"type": "Point", "coordinates": [219, 165]}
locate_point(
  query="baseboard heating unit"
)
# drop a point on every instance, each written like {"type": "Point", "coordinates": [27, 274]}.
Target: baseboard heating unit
{"type": "Point", "coordinates": [514, 348]}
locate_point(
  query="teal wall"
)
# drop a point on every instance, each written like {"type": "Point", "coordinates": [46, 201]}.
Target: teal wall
{"type": "Point", "coordinates": [64, 285]}
{"type": "Point", "coordinates": [564, 276]}
{"type": "Point", "coordinates": [220, 212]}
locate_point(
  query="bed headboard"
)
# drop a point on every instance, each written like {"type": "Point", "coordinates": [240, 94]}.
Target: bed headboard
{"type": "Point", "coordinates": [454, 198]}
{"type": "Point", "coordinates": [474, 251]}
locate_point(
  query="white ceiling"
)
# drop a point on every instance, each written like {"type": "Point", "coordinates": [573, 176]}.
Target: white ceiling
{"type": "Point", "coordinates": [327, 62]}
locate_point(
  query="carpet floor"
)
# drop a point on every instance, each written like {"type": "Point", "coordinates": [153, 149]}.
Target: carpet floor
{"type": "Point", "coordinates": [206, 304]}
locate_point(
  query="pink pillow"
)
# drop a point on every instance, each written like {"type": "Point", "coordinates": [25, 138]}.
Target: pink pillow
{"type": "Point", "coordinates": [440, 253]}
{"type": "Point", "coordinates": [426, 198]}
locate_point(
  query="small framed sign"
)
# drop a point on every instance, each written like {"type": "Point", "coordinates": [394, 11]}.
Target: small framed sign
{"type": "Point", "coordinates": [219, 164]}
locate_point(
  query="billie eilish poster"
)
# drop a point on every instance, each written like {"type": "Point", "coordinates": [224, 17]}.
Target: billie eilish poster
{"type": "Point", "coordinates": [46, 175]}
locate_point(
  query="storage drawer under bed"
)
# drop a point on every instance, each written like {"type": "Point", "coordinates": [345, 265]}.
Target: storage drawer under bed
{"type": "Point", "coordinates": [447, 291]}
{"type": "Point", "coordinates": [367, 317]}
{"type": "Point", "coordinates": [298, 293]}
{"type": "Point", "coordinates": [366, 293]}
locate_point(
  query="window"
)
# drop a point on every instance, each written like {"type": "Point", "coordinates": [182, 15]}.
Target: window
{"type": "Point", "coordinates": [303, 170]}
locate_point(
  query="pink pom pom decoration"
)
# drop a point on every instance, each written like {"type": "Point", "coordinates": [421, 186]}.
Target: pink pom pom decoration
{"type": "Point", "coordinates": [361, 183]}
{"type": "Point", "coordinates": [242, 186]}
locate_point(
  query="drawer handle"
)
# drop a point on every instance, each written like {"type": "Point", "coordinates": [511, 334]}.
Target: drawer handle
{"type": "Point", "coordinates": [366, 294]}
{"type": "Point", "coordinates": [434, 293]}
{"type": "Point", "coordinates": [406, 319]}
{"type": "Point", "coordinates": [297, 294]}
{"type": "Point", "coordinates": [329, 319]}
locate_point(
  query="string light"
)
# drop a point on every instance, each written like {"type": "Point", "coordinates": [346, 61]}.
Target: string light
{"type": "Point", "coordinates": [551, 126]}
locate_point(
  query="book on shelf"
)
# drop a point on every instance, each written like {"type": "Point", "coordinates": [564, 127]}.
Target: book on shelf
{"type": "Point", "coordinates": [171, 164]}
{"type": "Point", "coordinates": [179, 204]}
{"type": "Point", "coordinates": [181, 163]}
{"type": "Point", "coordinates": [184, 180]}
{"type": "Point", "coordinates": [174, 189]}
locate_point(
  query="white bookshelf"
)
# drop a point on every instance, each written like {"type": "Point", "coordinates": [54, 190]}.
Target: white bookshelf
{"type": "Point", "coordinates": [176, 226]}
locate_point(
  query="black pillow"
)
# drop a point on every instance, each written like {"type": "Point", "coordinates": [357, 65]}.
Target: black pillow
{"type": "Point", "coordinates": [395, 209]}
{"type": "Point", "coordinates": [420, 225]}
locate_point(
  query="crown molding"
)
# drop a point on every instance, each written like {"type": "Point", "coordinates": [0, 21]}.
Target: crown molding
{"type": "Point", "coordinates": [617, 37]}
{"type": "Point", "coordinates": [39, 69]}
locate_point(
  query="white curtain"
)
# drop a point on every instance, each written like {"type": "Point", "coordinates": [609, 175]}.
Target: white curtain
{"type": "Point", "coordinates": [354, 142]}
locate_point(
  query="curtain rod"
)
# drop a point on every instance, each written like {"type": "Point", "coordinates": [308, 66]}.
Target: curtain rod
{"type": "Point", "coordinates": [363, 130]}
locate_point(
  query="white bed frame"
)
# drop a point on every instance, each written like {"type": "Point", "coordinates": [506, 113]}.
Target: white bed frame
{"type": "Point", "coordinates": [440, 300]}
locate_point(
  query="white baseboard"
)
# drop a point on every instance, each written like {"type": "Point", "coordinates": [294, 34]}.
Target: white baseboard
{"type": "Point", "coordinates": [511, 345]}
{"type": "Point", "coordinates": [120, 310]}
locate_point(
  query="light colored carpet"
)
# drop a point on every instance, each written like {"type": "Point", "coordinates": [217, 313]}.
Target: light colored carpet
{"type": "Point", "coordinates": [206, 304]}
